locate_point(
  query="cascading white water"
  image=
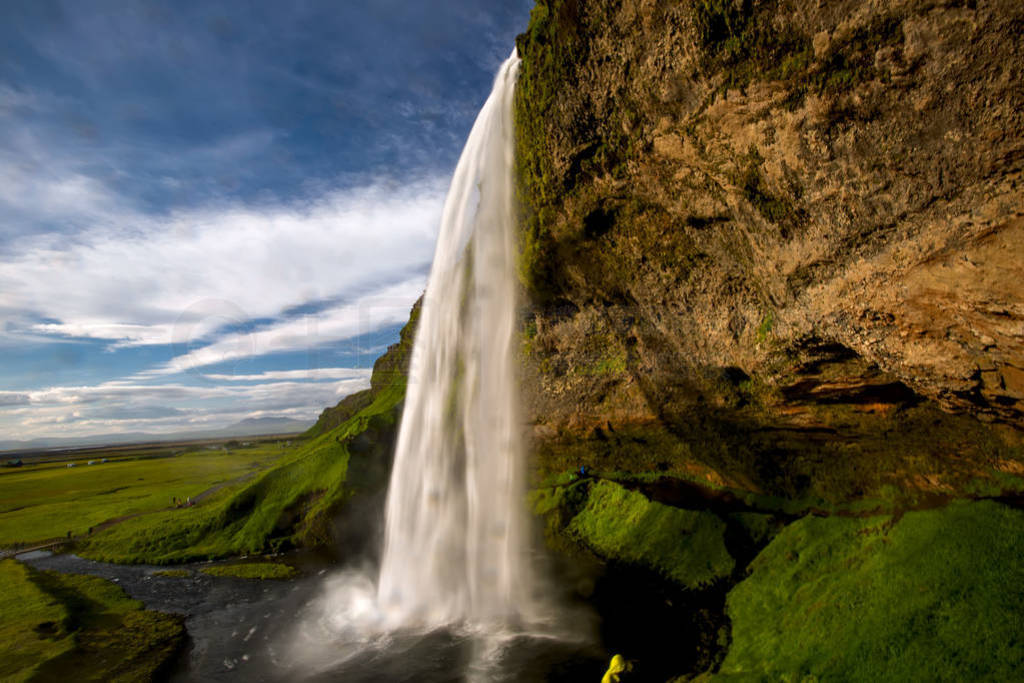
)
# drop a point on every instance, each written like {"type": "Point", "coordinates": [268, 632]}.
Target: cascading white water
{"type": "Point", "coordinates": [455, 537]}
{"type": "Point", "coordinates": [455, 557]}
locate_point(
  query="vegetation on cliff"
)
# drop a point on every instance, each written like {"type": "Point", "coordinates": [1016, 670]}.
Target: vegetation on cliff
{"type": "Point", "coordinates": [769, 249]}
{"type": "Point", "coordinates": [685, 546]}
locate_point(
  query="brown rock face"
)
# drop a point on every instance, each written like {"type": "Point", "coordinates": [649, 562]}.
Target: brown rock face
{"type": "Point", "coordinates": [776, 245]}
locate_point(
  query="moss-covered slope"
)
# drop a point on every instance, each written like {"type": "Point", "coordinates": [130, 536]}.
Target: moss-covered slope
{"type": "Point", "coordinates": [683, 546]}
{"type": "Point", "coordinates": [933, 595]}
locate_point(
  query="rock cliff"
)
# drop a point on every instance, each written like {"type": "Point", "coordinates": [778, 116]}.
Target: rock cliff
{"type": "Point", "coordinates": [776, 246]}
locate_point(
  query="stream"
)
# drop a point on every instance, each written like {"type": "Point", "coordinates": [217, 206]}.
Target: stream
{"type": "Point", "coordinates": [241, 629]}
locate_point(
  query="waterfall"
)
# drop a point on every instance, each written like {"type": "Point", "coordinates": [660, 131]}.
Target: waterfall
{"type": "Point", "coordinates": [455, 535]}
{"type": "Point", "coordinates": [455, 569]}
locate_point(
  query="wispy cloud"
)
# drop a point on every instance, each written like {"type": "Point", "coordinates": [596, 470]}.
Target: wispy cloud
{"type": "Point", "coordinates": [11, 398]}
{"type": "Point", "coordinates": [137, 280]}
{"type": "Point", "coordinates": [312, 374]}
{"type": "Point", "coordinates": [164, 408]}
{"type": "Point", "coordinates": [383, 308]}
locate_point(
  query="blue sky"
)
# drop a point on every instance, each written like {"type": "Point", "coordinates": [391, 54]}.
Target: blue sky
{"type": "Point", "coordinates": [212, 211]}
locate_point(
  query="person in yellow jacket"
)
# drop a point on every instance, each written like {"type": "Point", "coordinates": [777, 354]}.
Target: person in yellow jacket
{"type": "Point", "coordinates": [618, 666]}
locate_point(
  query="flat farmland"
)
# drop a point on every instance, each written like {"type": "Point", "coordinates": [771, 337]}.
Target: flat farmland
{"type": "Point", "coordinates": [48, 500]}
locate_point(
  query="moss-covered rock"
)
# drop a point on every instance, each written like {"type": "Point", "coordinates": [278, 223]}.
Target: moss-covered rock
{"type": "Point", "coordinates": [252, 570]}
{"type": "Point", "coordinates": [686, 546]}
{"type": "Point", "coordinates": [624, 527]}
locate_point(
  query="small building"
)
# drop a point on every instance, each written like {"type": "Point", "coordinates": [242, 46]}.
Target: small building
{"type": "Point", "coordinates": [13, 463]}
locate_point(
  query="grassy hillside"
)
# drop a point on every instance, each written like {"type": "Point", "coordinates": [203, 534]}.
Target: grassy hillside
{"type": "Point", "coordinates": [62, 626]}
{"type": "Point", "coordinates": [721, 586]}
{"type": "Point", "coordinates": [934, 595]}
{"type": "Point", "coordinates": [39, 503]}
{"type": "Point", "coordinates": [295, 502]}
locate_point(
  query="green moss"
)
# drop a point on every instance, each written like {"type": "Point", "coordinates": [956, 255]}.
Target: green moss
{"type": "Point", "coordinates": [529, 335]}
{"type": "Point", "coordinates": [685, 546]}
{"type": "Point", "coordinates": [63, 626]}
{"type": "Point", "coordinates": [252, 570]}
{"type": "Point", "coordinates": [551, 45]}
{"type": "Point", "coordinates": [739, 40]}
{"type": "Point", "coordinates": [934, 595]}
{"type": "Point", "coordinates": [613, 363]}
{"type": "Point", "coordinates": [745, 42]}
{"type": "Point", "coordinates": [995, 483]}
{"type": "Point", "coordinates": [555, 479]}
{"type": "Point", "coordinates": [765, 328]}
{"type": "Point", "coordinates": [557, 505]}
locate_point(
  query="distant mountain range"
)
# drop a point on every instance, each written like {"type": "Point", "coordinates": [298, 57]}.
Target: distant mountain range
{"type": "Point", "coordinates": [253, 426]}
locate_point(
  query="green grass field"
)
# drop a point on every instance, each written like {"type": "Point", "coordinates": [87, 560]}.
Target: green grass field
{"type": "Point", "coordinates": [26, 616]}
{"type": "Point", "coordinates": [49, 501]}
{"type": "Point", "coordinates": [69, 627]}
{"type": "Point", "coordinates": [288, 504]}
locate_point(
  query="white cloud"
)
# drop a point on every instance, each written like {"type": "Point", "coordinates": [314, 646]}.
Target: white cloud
{"type": "Point", "coordinates": [143, 280]}
{"type": "Point", "coordinates": [81, 260]}
{"type": "Point", "coordinates": [388, 306]}
{"type": "Point", "coordinates": [311, 374]}
{"type": "Point", "coordinates": [165, 408]}
{"type": "Point", "coordinates": [223, 281]}
{"type": "Point", "coordinates": [13, 398]}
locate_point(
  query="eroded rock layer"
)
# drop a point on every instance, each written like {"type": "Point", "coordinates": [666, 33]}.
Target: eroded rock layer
{"type": "Point", "coordinates": [776, 246]}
